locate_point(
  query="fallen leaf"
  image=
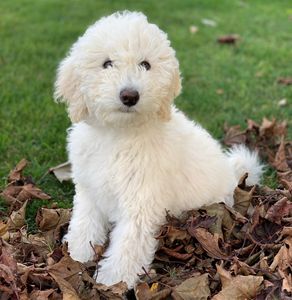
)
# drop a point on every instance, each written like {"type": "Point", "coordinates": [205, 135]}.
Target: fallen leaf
{"type": "Point", "coordinates": [283, 259]}
{"type": "Point", "coordinates": [209, 242]}
{"type": "Point", "coordinates": [68, 291]}
{"type": "Point", "coordinates": [280, 161]}
{"type": "Point", "coordinates": [41, 295]}
{"type": "Point", "coordinates": [286, 231]}
{"type": "Point", "coordinates": [203, 221]}
{"type": "Point", "coordinates": [194, 288]}
{"type": "Point", "coordinates": [48, 218]}
{"type": "Point", "coordinates": [7, 256]}
{"type": "Point", "coordinates": [115, 291]}
{"type": "Point", "coordinates": [265, 232]}
{"type": "Point", "coordinates": [173, 233]}
{"type": "Point", "coordinates": [174, 253]}
{"type": "Point", "coordinates": [285, 81]}
{"type": "Point", "coordinates": [242, 196]}
{"type": "Point", "coordinates": [16, 173]}
{"type": "Point", "coordinates": [62, 171]}
{"type": "Point", "coordinates": [280, 209]}
{"type": "Point", "coordinates": [237, 287]}
{"type": "Point", "coordinates": [17, 218]}
{"type": "Point", "coordinates": [3, 228]}
{"type": "Point", "coordinates": [10, 193]}
{"type": "Point", "coordinates": [143, 292]}
{"type": "Point", "coordinates": [228, 39]}
{"type": "Point", "coordinates": [30, 191]}
{"type": "Point", "coordinates": [221, 218]}
{"type": "Point", "coordinates": [234, 135]}
{"type": "Point", "coordinates": [267, 127]}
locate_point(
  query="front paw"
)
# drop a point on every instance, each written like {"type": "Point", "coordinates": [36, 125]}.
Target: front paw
{"type": "Point", "coordinates": [78, 250]}
{"type": "Point", "coordinates": [112, 275]}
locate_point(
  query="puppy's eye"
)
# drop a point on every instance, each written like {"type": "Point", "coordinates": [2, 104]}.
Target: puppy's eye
{"type": "Point", "coordinates": [145, 64]}
{"type": "Point", "coordinates": [107, 63]}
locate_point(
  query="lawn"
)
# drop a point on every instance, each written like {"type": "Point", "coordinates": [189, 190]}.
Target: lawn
{"type": "Point", "coordinates": [35, 36]}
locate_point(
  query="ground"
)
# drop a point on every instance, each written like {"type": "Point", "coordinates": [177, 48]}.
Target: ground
{"type": "Point", "coordinates": [221, 83]}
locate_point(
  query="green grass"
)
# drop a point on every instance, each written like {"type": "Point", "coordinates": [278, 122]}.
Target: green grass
{"type": "Point", "coordinates": [35, 36]}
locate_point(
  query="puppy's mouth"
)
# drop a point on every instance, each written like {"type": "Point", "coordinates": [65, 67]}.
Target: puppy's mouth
{"type": "Point", "coordinates": [125, 109]}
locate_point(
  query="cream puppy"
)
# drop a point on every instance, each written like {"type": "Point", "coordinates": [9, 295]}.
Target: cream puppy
{"type": "Point", "coordinates": [133, 154]}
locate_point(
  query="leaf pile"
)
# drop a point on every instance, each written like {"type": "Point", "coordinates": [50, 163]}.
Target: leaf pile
{"type": "Point", "coordinates": [38, 266]}
{"type": "Point", "coordinates": [216, 252]}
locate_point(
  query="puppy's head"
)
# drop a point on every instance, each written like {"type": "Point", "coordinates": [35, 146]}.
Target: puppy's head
{"type": "Point", "coordinates": [121, 72]}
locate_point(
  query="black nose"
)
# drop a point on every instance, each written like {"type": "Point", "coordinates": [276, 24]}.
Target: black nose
{"type": "Point", "coordinates": [129, 97]}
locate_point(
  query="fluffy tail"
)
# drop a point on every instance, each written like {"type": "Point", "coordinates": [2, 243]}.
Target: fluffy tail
{"type": "Point", "coordinates": [245, 161]}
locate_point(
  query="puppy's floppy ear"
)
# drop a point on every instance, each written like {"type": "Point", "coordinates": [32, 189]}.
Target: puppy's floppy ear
{"type": "Point", "coordinates": [175, 89]}
{"type": "Point", "coordinates": [176, 83]}
{"type": "Point", "coordinates": [68, 90]}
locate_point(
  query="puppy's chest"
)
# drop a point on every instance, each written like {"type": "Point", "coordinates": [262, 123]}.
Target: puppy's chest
{"type": "Point", "coordinates": [121, 164]}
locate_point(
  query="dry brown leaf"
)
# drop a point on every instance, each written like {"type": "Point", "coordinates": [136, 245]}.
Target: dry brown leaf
{"type": "Point", "coordinates": [8, 269]}
{"type": "Point", "coordinates": [69, 270]}
{"type": "Point", "coordinates": [264, 232]}
{"type": "Point", "coordinates": [161, 295]}
{"type": "Point", "coordinates": [7, 256]}
{"type": "Point", "coordinates": [234, 135]}
{"type": "Point", "coordinates": [174, 253]}
{"type": "Point", "coordinates": [143, 292]}
{"type": "Point", "coordinates": [287, 281]}
{"type": "Point", "coordinates": [219, 217]}
{"type": "Point", "coordinates": [16, 173]}
{"type": "Point", "coordinates": [283, 259]}
{"type": "Point", "coordinates": [286, 231]}
{"type": "Point", "coordinates": [62, 171]}
{"type": "Point", "coordinates": [177, 234]}
{"type": "Point", "coordinates": [252, 125]}
{"type": "Point", "coordinates": [241, 268]}
{"type": "Point", "coordinates": [267, 126]}
{"type": "Point", "coordinates": [280, 161]}
{"type": "Point", "coordinates": [10, 193]}
{"type": "Point", "coordinates": [67, 274]}
{"type": "Point", "coordinates": [3, 228]}
{"type": "Point", "coordinates": [280, 209]}
{"type": "Point", "coordinates": [15, 194]}
{"type": "Point", "coordinates": [194, 288]}
{"type": "Point", "coordinates": [209, 242]}
{"type": "Point", "coordinates": [237, 216]}
{"type": "Point", "coordinates": [30, 191]}
{"type": "Point", "coordinates": [237, 287]}
{"type": "Point", "coordinates": [17, 218]}
{"type": "Point", "coordinates": [116, 291]}
{"type": "Point", "coordinates": [287, 184]}
{"type": "Point", "coordinates": [242, 196]}
{"type": "Point", "coordinates": [285, 81]}
{"type": "Point", "coordinates": [49, 218]}
{"type": "Point", "coordinates": [228, 39]}
{"type": "Point", "coordinates": [68, 291]}
{"type": "Point", "coordinates": [41, 295]}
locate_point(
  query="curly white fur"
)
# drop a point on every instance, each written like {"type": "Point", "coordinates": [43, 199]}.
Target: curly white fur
{"type": "Point", "coordinates": [131, 164]}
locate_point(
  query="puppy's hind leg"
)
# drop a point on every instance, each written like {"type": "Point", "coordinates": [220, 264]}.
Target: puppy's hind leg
{"type": "Point", "coordinates": [88, 227]}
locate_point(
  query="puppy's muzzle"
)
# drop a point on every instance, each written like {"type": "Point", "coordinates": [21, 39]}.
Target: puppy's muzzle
{"type": "Point", "coordinates": [129, 97]}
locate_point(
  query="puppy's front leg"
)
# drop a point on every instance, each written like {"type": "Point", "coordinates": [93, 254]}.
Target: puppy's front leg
{"type": "Point", "coordinates": [88, 226]}
{"type": "Point", "coordinates": [132, 247]}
